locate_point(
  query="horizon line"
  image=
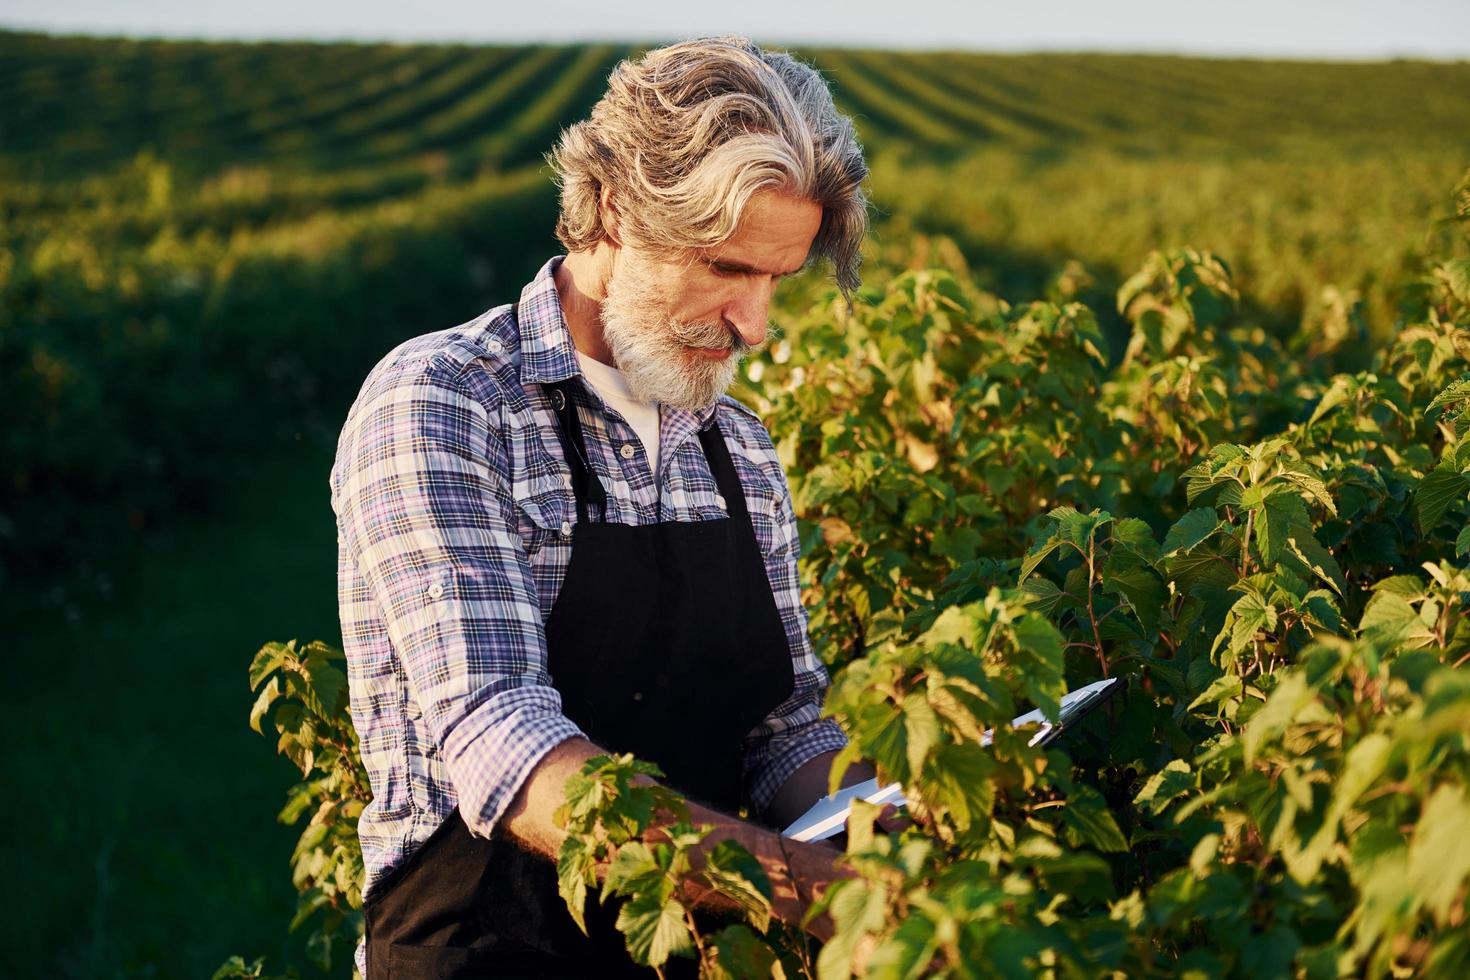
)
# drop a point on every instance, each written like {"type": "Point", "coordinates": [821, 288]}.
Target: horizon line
{"type": "Point", "coordinates": [920, 47]}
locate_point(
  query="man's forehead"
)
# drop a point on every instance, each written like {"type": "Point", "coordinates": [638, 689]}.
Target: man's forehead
{"type": "Point", "coordinates": [773, 237]}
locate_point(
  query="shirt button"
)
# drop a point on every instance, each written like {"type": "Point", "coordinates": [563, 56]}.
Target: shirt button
{"type": "Point", "coordinates": [494, 346]}
{"type": "Point", "coordinates": [627, 450]}
{"type": "Point", "coordinates": [637, 695]}
{"type": "Point", "coordinates": [436, 590]}
{"type": "Point", "coordinates": [566, 529]}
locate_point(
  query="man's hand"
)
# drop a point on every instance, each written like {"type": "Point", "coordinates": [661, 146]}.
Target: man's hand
{"type": "Point", "coordinates": [810, 873]}
{"type": "Point", "coordinates": [891, 821]}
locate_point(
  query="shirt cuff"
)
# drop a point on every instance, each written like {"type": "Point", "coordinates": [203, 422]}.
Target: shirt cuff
{"type": "Point", "coordinates": [489, 767]}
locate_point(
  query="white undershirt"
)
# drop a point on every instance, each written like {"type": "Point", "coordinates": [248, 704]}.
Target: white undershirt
{"type": "Point", "coordinates": [613, 388]}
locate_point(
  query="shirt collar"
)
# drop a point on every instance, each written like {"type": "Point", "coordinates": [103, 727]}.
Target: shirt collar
{"type": "Point", "coordinates": [547, 351]}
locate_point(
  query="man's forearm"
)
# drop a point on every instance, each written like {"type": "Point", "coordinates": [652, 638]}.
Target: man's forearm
{"type": "Point", "coordinates": [529, 818]}
{"type": "Point", "coordinates": [530, 822]}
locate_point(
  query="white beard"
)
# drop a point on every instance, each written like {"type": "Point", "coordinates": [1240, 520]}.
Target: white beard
{"type": "Point", "coordinates": [649, 346]}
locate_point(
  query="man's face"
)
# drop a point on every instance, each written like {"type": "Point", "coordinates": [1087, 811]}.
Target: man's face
{"type": "Point", "coordinates": [679, 329]}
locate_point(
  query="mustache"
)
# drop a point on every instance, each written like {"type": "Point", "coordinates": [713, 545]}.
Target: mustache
{"type": "Point", "coordinates": [712, 336]}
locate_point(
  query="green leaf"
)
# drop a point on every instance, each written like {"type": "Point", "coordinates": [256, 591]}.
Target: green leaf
{"type": "Point", "coordinates": [1139, 586]}
{"type": "Point", "coordinates": [573, 867]}
{"type": "Point", "coordinates": [738, 954]}
{"type": "Point", "coordinates": [327, 684]}
{"type": "Point", "coordinates": [585, 794]}
{"type": "Point", "coordinates": [654, 927]}
{"type": "Point", "coordinates": [1363, 765]}
{"type": "Point", "coordinates": [268, 696]}
{"type": "Point", "coordinates": [1281, 513]}
{"type": "Point", "coordinates": [1457, 274]}
{"type": "Point", "coordinates": [1166, 785]}
{"type": "Point", "coordinates": [962, 779]}
{"type": "Point", "coordinates": [1390, 613]}
{"type": "Point", "coordinates": [299, 799]}
{"type": "Point", "coordinates": [1437, 491]}
{"type": "Point", "coordinates": [235, 967]}
{"type": "Point", "coordinates": [921, 728]}
{"type": "Point", "coordinates": [1190, 530]}
{"type": "Point", "coordinates": [1203, 855]}
{"type": "Point", "coordinates": [298, 736]}
{"type": "Point", "coordinates": [1215, 471]}
{"type": "Point", "coordinates": [1321, 610]}
{"type": "Point", "coordinates": [1270, 954]}
{"type": "Point", "coordinates": [1043, 683]}
{"type": "Point", "coordinates": [1457, 391]}
{"type": "Point", "coordinates": [1439, 855]}
{"type": "Point", "coordinates": [1285, 705]}
{"type": "Point", "coordinates": [1311, 484]}
{"type": "Point", "coordinates": [308, 904]}
{"type": "Point", "coordinates": [634, 869]}
{"type": "Point", "coordinates": [1462, 542]}
{"type": "Point", "coordinates": [1408, 586]}
{"type": "Point", "coordinates": [1042, 594]}
{"type": "Point", "coordinates": [1221, 688]}
{"type": "Point", "coordinates": [1318, 560]}
{"type": "Point", "coordinates": [881, 730]}
{"type": "Point", "coordinates": [857, 908]}
{"type": "Point", "coordinates": [906, 953]}
{"type": "Point", "coordinates": [1036, 556]}
{"type": "Point", "coordinates": [954, 626]}
{"type": "Point", "coordinates": [1077, 528]}
{"type": "Point", "coordinates": [1137, 537]}
{"type": "Point", "coordinates": [267, 659]}
{"type": "Point", "coordinates": [1343, 387]}
{"type": "Point", "coordinates": [735, 873]}
{"type": "Point", "coordinates": [1250, 613]}
{"type": "Point", "coordinates": [1088, 820]}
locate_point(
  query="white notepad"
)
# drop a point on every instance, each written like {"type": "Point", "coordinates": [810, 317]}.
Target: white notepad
{"type": "Point", "coordinates": [828, 816]}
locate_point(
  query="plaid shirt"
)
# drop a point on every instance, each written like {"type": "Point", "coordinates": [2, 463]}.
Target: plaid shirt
{"type": "Point", "coordinates": [455, 511]}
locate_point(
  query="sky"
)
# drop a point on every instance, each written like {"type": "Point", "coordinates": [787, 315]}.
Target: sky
{"type": "Point", "coordinates": [1316, 29]}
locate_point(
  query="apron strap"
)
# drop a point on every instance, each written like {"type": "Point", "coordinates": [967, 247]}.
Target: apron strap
{"type": "Point", "coordinates": [588, 488]}
{"type": "Point", "coordinates": [585, 483]}
{"type": "Point", "coordinates": [718, 455]}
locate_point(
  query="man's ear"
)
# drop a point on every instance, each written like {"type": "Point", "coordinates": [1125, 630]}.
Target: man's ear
{"type": "Point", "coordinates": [608, 212]}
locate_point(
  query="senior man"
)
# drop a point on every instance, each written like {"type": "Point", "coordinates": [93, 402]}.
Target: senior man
{"type": "Point", "coordinates": [560, 537]}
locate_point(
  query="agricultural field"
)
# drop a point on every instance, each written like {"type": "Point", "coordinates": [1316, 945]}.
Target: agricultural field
{"type": "Point", "coordinates": [1215, 459]}
{"type": "Point", "coordinates": [179, 210]}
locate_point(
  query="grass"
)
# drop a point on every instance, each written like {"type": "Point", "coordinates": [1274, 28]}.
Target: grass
{"type": "Point", "coordinates": [141, 829]}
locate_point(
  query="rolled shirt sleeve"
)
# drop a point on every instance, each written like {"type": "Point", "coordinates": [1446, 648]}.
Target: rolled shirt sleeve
{"type": "Point", "coordinates": [794, 733]}
{"type": "Point", "coordinates": [426, 514]}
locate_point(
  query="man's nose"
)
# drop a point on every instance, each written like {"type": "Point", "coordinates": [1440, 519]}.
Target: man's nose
{"type": "Point", "coordinates": [750, 311]}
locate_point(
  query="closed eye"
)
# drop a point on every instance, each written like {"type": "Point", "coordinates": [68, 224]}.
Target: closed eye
{"type": "Point", "coordinates": [729, 270]}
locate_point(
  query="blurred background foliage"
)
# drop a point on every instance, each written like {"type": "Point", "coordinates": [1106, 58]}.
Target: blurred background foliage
{"type": "Point", "coordinates": [205, 246]}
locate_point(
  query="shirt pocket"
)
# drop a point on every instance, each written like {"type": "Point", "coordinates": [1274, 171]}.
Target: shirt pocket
{"type": "Point", "coordinates": [763, 501]}
{"type": "Point", "coordinates": [544, 509]}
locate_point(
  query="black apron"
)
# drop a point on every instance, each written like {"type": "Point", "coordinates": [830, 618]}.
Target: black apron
{"type": "Point", "coordinates": [664, 641]}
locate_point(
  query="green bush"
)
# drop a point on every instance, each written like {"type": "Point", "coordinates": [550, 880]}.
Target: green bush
{"type": "Point", "coordinates": [995, 508]}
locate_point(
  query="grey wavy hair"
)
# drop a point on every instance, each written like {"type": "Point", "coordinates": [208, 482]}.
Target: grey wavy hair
{"type": "Point", "coordinates": [686, 134]}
